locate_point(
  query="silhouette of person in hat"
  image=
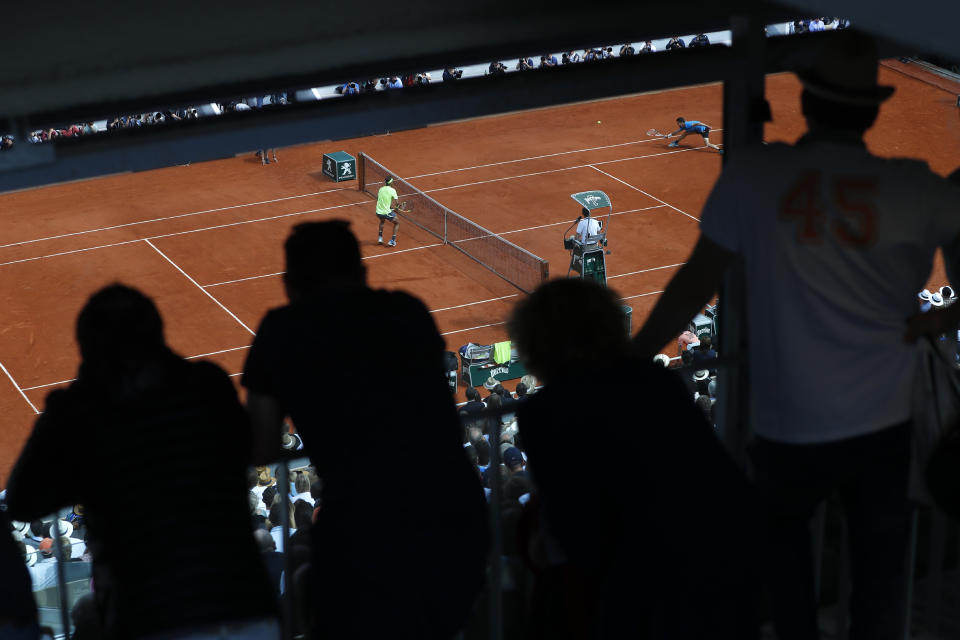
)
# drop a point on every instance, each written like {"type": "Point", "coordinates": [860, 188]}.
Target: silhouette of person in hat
{"type": "Point", "coordinates": [836, 243]}
{"type": "Point", "coordinates": [399, 547]}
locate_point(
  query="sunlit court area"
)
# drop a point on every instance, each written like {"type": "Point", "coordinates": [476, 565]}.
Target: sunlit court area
{"type": "Point", "coordinates": [634, 339]}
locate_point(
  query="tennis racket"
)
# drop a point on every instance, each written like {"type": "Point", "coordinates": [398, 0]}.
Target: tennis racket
{"type": "Point", "coordinates": [405, 207]}
{"type": "Point", "coordinates": [654, 132]}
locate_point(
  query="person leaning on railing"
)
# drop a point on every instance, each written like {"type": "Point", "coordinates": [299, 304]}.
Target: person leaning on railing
{"type": "Point", "coordinates": [662, 544]}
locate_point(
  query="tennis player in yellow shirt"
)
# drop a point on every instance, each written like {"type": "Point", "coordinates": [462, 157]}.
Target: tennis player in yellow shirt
{"type": "Point", "coordinates": [386, 210]}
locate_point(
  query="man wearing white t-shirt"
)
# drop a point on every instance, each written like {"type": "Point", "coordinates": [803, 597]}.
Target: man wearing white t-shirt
{"type": "Point", "coordinates": [587, 226]}
{"type": "Point", "coordinates": [836, 244]}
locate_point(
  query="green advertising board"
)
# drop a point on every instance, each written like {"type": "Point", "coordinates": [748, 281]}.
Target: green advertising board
{"type": "Point", "coordinates": [339, 166]}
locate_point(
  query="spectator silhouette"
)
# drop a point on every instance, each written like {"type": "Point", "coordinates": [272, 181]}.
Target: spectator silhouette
{"type": "Point", "coordinates": [840, 285]}
{"type": "Point", "coordinates": [135, 410]}
{"type": "Point", "coordinates": [272, 559]}
{"type": "Point", "coordinates": [399, 546]}
{"type": "Point", "coordinates": [661, 543]}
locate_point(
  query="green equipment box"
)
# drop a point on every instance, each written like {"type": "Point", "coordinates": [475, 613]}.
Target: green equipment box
{"type": "Point", "coordinates": [339, 166]}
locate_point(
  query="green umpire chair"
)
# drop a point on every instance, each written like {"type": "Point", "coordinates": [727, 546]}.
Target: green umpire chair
{"type": "Point", "coordinates": [588, 251]}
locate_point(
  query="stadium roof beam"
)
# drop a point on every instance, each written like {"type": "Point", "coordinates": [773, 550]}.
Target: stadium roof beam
{"type": "Point", "coordinates": [140, 58]}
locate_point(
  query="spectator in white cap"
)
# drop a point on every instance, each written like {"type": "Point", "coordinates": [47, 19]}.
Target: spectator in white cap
{"type": "Point", "coordinates": [701, 379]}
{"type": "Point", "coordinates": [531, 383]}
{"type": "Point", "coordinates": [924, 297]}
{"type": "Point", "coordinates": [936, 300]}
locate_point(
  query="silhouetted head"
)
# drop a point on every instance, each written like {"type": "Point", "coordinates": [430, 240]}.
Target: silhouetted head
{"type": "Point", "coordinates": [265, 541]}
{"type": "Point", "coordinates": [840, 90]}
{"type": "Point", "coordinates": [568, 327]}
{"type": "Point", "coordinates": [302, 514]}
{"type": "Point", "coordinates": [482, 448]}
{"type": "Point", "coordinates": [86, 617]}
{"type": "Point", "coordinates": [321, 255]}
{"type": "Point", "coordinates": [275, 514]}
{"type": "Point", "coordinates": [119, 326]}
{"type": "Point", "coordinates": [472, 394]}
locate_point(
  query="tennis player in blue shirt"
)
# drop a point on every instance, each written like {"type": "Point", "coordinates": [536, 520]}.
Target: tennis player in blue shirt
{"type": "Point", "coordinates": [692, 126]}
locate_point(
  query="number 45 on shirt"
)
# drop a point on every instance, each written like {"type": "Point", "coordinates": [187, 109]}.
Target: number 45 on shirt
{"type": "Point", "coordinates": [852, 198]}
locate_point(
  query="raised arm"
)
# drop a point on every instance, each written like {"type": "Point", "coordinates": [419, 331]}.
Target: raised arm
{"type": "Point", "coordinates": [266, 417]}
{"type": "Point", "coordinates": [688, 292]}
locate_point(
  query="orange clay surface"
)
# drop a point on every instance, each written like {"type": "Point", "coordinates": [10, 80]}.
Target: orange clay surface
{"type": "Point", "coordinates": [205, 240]}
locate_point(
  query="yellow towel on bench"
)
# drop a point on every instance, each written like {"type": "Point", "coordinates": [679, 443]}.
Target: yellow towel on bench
{"type": "Point", "coordinates": [501, 352]}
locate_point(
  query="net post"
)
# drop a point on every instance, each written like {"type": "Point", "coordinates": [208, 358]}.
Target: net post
{"type": "Point", "coordinates": [362, 171]}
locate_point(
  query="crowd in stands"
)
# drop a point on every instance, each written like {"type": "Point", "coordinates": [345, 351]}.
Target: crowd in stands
{"type": "Point", "coordinates": [397, 81]}
{"type": "Point", "coordinates": [819, 24]}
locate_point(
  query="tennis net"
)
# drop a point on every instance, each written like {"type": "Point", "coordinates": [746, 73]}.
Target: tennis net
{"type": "Point", "coordinates": [514, 264]}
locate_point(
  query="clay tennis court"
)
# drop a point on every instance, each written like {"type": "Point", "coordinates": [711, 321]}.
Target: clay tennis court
{"type": "Point", "coordinates": [205, 240]}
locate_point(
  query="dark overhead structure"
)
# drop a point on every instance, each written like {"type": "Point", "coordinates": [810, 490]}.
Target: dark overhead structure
{"type": "Point", "coordinates": [108, 62]}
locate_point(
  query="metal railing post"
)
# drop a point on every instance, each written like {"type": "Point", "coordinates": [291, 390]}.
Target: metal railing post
{"type": "Point", "coordinates": [496, 541]}
{"type": "Point", "coordinates": [286, 598]}
{"type": "Point", "coordinates": [61, 576]}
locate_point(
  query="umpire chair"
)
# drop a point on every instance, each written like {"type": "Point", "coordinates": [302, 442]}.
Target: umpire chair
{"type": "Point", "coordinates": [588, 252]}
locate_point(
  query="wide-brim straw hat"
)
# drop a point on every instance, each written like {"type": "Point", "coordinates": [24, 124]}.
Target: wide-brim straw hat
{"type": "Point", "coordinates": [844, 69]}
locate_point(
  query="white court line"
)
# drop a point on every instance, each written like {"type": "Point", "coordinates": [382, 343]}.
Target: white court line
{"type": "Point", "coordinates": [174, 217]}
{"type": "Point", "coordinates": [266, 275]}
{"type": "Point", "coordinates": [497, 324]}
{"type": "Point", "coordinates": [220, 304]}
{"type": "Point", "coordinates": [429, 246]}
{"type": "Point", "coordinates": [482, 326]}
{"type": "Point", "coordinates": [17, 387]}
{"type": "Point", "coordinates": [182, 233]}
{"type": "Point", "coordinates": [339, 206]}
{"type": "Point", "coordinates": [589, 165]}
{"type": "Point", "coordinates": [555, 224]}
{"type": "Point", "coordinates": [214, 353]}
{"type": "Point", "coordinates": [646, 194]}
{"type": "Point", "coordinates": [280, 273]}
{"type": "Point", "coordinates": [640, 295]}
{"type": "Point", "coordinates": [470, 304]}
{"type": "Point", "coordinates": [316, 193]}
{"type": "Point", "coordinates": [529, 158]}
{"type": "Point", "coordinates": [392, 253]}
{"type": "Point", "coordinates": [49, 384]}
{"type": "Point", "coordinates": [631, 273]}
{"type": "Point", "coordinates": [202, 355]}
